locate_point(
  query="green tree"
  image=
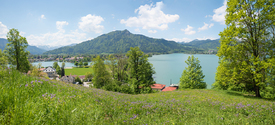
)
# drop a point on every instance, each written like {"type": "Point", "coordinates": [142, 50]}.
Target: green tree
{"type": "Point", "coordinates": [192, 75]}
{"type": "Point", "coordinates": [15, 51]}
{"type": "Point", "coordinates": [89, 76]}
{"type": "Point", "coordinates": [121, 69]}
{"type": "Point", "coordinates": [77, 79]}
{"type": "Point", "coordinates": [58, 70]}
{"type": "Point", "coordinates": [140, 71]}
{"type": "Point", "coordinates": [85, 63]}
{"type": "Point", "coordinates": [3, 59]}
{"type": "Point", "coordinates": [80, 64]}
{"type": "Point", "coordinates": [246, 54]}
{"type": "Point", "coordinates": [55, 64]}
{"type": "Point", "coordinates": [63, 69]}
{"type": "Point", "coordinates": [76, 63]}
{"type": "Point", "coordinates": [101, 75]}
{"type": "Point", "coordinates": [112, 63]}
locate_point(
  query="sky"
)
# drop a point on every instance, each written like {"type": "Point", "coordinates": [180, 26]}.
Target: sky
{"type": "Point", "coordinates": [63, 22]}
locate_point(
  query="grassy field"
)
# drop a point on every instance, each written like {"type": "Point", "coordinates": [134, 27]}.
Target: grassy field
{"type": "Point", "coordinates": [78, 71]}
{"type": "Point", "coordinates": [28, 100]}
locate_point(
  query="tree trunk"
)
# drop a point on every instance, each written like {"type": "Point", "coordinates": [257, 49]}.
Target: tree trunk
{"type": "Point", "coordinates": [257, 91]}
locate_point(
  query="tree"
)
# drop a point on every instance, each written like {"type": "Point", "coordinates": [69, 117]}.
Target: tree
{"type": "Point", "coordinates": [76, 63]}
{"type": "Point", "coordinates": [121, 69]}
{"type": "Point", "coordinates": [80, 64]}
{"type": "Point", "coordinates": [58, 70]}
{"type": "Point", "coordinates": [55, 64]}
{"type": "Point", "coordinates": [101, 75]}
{"type": "Point", "coordinates": [15, 51]}
{"type": "Point", "coordinates": [89, 76]}
{"type": "Point", "coordinates": [85, 63]}
{"type": "Point", "coordinates": [112, 62]}
{"type": "Point", "coordinates": [63, 69]}
{"type": "Point", "coordinates": [140, 71]}
{"type": "Point", "coordinates": [246, 54]}
{"type": "Point", "coordinates": [3, 59]}
{"type": "Point", "coordinates": [77, 79]}
{"type": "Point", "coordinates": [192, 76]}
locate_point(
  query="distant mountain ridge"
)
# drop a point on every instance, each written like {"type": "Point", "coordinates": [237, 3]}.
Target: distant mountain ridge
{"type": "Point", "coordinates": [32, 49]}
{"type": "Point", "coordinates": [207, 44]}
{"type": "Point", "coordinates": [48, 48]}
{"type": "Point", "coordinates": [120, 42]}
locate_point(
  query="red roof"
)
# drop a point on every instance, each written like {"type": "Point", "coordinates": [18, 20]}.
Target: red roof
{"type": "Point", "coordinates": [169, 89]}
{"type": "Point", "coordinates": [157, 86]}
{"type": "Point", "coordinates": [41, 69]}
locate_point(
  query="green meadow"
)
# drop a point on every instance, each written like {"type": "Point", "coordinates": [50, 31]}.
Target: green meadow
{"type": "Point", "coordinates": [30, 100]}
{"type": "Point", "coordinates": [78, 71]}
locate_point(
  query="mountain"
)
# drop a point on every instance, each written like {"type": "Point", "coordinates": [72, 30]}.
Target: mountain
{"type": "Point", "coordinates": [120, 42]}
{"type": "Point", "coordinates": [204, 44]}
{"type": "Point", "coordinates": [48, 48]}
{"type": "Point", "coordinates": [32, 49]}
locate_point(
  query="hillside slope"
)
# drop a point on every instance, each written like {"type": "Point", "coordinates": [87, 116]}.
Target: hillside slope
{"type": "Point", "coordinates": [120, 42]}
{"type": "Point", "coordinates": [204, 44]}
{"type": "Point", "coordinates": [32, 49]}
{"type": "Point", "coordinates": [28, 100]}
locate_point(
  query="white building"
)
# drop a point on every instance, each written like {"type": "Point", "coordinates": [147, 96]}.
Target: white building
{"type": "Point", "coordinates": [51, 72]}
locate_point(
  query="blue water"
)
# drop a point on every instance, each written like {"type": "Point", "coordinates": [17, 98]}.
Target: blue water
{"type": "Point", "coordinates": [169, 67]}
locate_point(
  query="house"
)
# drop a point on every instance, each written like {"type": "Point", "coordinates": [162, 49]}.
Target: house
{"type": "Point", "coordinates": [169, 89]}
{"type": "Point", "coordinates": [158, 87]}
{"type": "Point", "coordinates": [68, 79]}
{"type": "Point", "coordinates": [81, 77]}
{"type": "Point", "coordinates": [51, 72]}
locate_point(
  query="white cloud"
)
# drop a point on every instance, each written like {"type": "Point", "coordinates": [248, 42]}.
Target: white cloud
{"type": "Point", "coordinates": [152, 31]}
{"type": "Point", "coordinates": [220, 13]}
{"type": "Point", "coordinates": [186, 40]}
{"type": "Point", "coordinates": [3, 30]}
{"type": "Point", "coordinates": [205, 26]}
{"type": "Point", "coordinates": [57, 38]}
{"type": "Point", "coordinates": [42, 16]}
{"type": "Point", "coordinates": [137, 30]}
{"type": "Point", "coordinates": [188, 30]}
{"type": "Point", "coordinates": [60, 24]}
{"type": "Point", "coordinates": [91, 23]}
{"type": "Point", "coordinates": [205, 38]}
{"type": "Point", "coordinates": [150, 17]}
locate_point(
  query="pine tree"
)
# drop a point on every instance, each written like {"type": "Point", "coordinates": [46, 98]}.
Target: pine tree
{"type": "Point", "coordinates": [192, 76]}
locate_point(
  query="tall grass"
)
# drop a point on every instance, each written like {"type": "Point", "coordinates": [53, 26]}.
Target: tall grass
{"type": "Point", "coordinates": [29, 100]}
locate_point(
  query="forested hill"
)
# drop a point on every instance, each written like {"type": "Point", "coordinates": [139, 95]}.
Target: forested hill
{"type": "Point", "coordinates": [120, 42]}
{"type": "Point", "coordinates": [203, 44]}
{"type": "Point", "coordinates": [32, 49]}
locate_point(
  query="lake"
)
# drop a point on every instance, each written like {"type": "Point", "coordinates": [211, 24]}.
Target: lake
{"type": "Point", "coordinates": [169, 67]}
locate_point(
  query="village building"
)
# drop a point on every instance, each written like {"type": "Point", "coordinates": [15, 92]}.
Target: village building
{"type": "Point", "coordinates": [169, 89]}
{"type": "Point", "coordinates": [68, 79]}
{"type": "Point", "coordinates": [51, 72]}
{"type": "Point", "coordinates": [81, 77]}
{"type": "Point", "coordinates": [158, 87]}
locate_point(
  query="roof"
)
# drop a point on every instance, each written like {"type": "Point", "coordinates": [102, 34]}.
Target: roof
{"type": "Point", "coordinates": [169, 89]}
{"type": "Point", "coordinates": [41, 69]}
{"type": "Point", "coordinates": [81, 77]}
{"type": "Point", "coordinates": [49, 69]}
{"type": "Point", "coordinates": [157, 86]}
